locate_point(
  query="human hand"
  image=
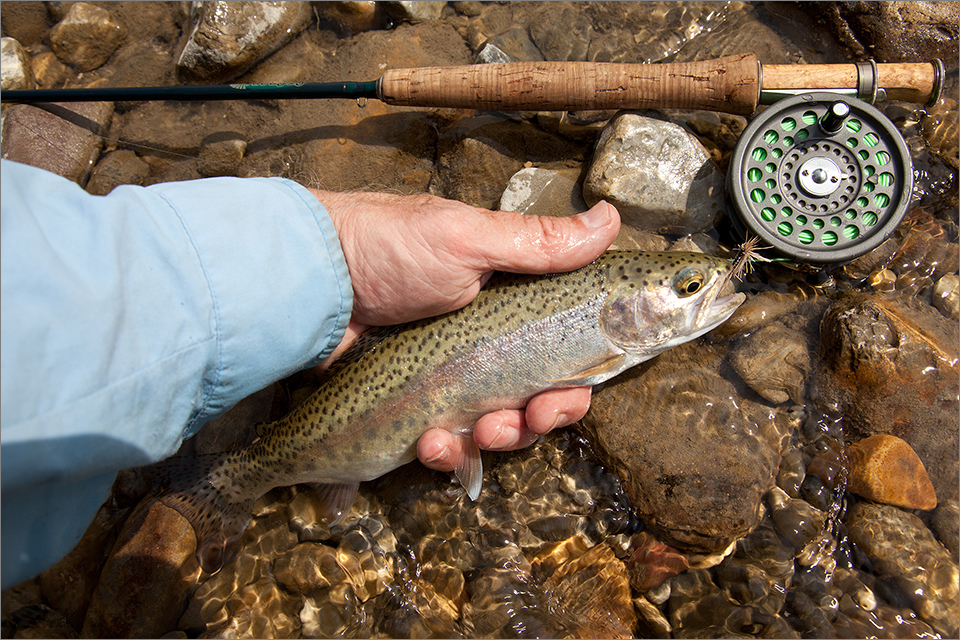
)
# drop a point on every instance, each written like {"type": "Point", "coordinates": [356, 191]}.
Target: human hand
{"type": "Point", "coordinates": [413, 257]}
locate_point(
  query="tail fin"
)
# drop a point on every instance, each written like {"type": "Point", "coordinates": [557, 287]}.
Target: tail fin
{"type": "Point", "coordinates": [219, 520]}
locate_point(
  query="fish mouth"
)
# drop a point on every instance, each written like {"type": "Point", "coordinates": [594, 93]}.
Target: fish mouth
{"type": "Point", "coordinates": [714, 309]}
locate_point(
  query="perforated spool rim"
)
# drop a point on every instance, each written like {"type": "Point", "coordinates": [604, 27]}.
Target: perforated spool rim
{"type": "Point", "coordinates": [822, 230]}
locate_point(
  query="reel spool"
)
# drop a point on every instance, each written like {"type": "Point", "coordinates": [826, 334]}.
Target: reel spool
{"type": "Point", "coordinates": [820, 177]}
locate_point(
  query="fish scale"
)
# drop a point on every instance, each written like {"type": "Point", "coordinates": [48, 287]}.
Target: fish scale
{"type": "Point", "coordinates": [523, 334]}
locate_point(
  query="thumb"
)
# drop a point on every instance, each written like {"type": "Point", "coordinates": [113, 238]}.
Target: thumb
{"type": "Point", "coordinates": [545, 244]}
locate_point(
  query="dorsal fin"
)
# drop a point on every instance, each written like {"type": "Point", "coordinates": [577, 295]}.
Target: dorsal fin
{"type": "Point", "coordinates": [361, 345]}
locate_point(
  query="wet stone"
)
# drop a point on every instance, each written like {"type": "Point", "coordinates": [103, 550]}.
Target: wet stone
{"type": "Point", "coordinates": [63, 138]}
{"type": "Point", "coordinates": [890, 366]}
{"type": "Point", "coordinates": [884, 468]}
{"type": "Point", "coordinates": [259, 610]}
{"type": "Point", "coordinates": [548, 596]}
{"type": "Point", "coordinates": [414, 11]}
{"type": "Point", "coordinates": [144, 584]}
{"type": "Point", "coordinates": [657, 174]}
{"type": "Point", "coordinates": [48, 71]}
{"type": "Point", "coordinates": [27, 22]}
{"type": "Point", "coordinates": [307, 567]}
{"type": "Point", "coordinates": [705, 494]}
{"type": "Point", "coordinates": [17, 73]}
{"type": "Point", "coordinates": [221, 154]}
{"type": "Point", "coordinates": [352, 17]}
{"type": "Point", "coordinates": [939, 130]}
{"type": "Point", "coordinates": [228, 38]}
{"type": "Point", "coordinates": [946, 296]}
{"type": "Point", "coordinates": [86, 37]}
{"type": "Point", "coordinates": [562, 34]}
{"type": "Point", "coordinates": [116, 168]}
{"type": "Point", "coordinates": [39, 621]}
{"type": "Point", "coordinates": [69, 585]}
{"type": "Point", "coordinates": [895, 31]}
{"type": "Point", "coordinates": [513, 45]}
{"type": "Point", "coordinates": [403, 166]}
{"type": "Point", "coordinates": [478, 156]}
{"type": "Point", "coordinates": [775, 362]}
{"type": "Point", "coordinates": [651, 562]}
{"type": "Point", "coordinates": [902, 547]}
{"type": "Point", "coordinates": [543, 192]}
{"type": "Point", "coordinates": [945, 523]}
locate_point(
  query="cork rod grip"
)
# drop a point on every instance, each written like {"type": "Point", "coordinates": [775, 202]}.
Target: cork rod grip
{"type": "Point", "coordinates": [911, 82]}
{"type": "Point", "coordinates": [730, 84]}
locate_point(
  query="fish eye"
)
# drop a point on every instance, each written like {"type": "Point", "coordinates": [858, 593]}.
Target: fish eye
{"type": "Point", "coordinates": [689, 283]}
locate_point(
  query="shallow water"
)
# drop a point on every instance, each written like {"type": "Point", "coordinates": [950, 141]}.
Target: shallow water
{"type": "Point", "coordinates": [554, 547]}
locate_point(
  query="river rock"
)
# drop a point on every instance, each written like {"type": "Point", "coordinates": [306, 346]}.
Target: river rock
{"type": "Point", "coordinates": [17, 73]}
{"type": "Point", "coordinates": [543, 192]}
{"type": "Point", "coordinates": [893, 31]}
{"type": "Point", "coordinates": [64, 138]}
{"type": "Point", "coordinates": [414, 11]}
{"type": "Point", "coordinates": [565, 590]}
{"type": "Point", "coordinates": [86, 37]}
{"type": "Point", "coordinates": [901, 546]}
{"type": "Point", "coordinates": [48, 71]}
{"type": "Point", "coordinates": [652, 562]}
{"type": "Point", "coordinates": [352, 17]}
{"type": "Point", "coordinates": [221, 154]}
{"type": "Point", "coordinates": [230, 37]}
{"type": "Point", "coordinates": [116, 168]}
{"type": "Point", "coordinates": [890, 365]}
{"type": "Point", "coordinates": [357, 158]}
{"type": "Point", "coordinates": [946, 296]}
{"type": "Point", "coordinates": [27, 22]}
{"type": "Point", "coordinates": [513, 45]}
{"type": "Point", "coordinates": [695, 465]}
{"type": "Point", "coordinates": [563, 34]}
{"type": "Point", "coordinates": [477, 157]}
{"type": "Point", "coordinates": [658, 175]}
{"type": "Point", "coordinates": [884, 468]}
{"type": "Point", "coordinates": [946, 524]}
{"type": "Point", "coordinates": [775, 362]}
{"type": "Point", "coordinates": [68, 586]}
{"type": "Point", "coordinates": [144, 584]}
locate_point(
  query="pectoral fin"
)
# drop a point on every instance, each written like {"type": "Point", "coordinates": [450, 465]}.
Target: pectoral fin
{"type": "Point", "coordinates": [334, 499]}
{"type": "Point", "coordinates": [469, 468]}
{"type": "Point", "coordinates": [595, 374]}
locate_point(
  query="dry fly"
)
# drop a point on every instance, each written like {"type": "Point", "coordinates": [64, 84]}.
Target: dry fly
{"type": "Point", "coordinates": [747, 253]}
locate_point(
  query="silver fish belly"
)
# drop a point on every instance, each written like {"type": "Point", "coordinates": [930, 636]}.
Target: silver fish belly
{"type": "Point", "coordinates": [522, 335]}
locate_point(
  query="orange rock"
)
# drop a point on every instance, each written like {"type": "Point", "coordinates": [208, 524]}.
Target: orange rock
{"type": "Point", "coordinates": [884, 468]}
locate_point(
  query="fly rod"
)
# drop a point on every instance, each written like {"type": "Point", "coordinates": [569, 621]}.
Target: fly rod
{"type": "Point", "coordinates": [733, 84]}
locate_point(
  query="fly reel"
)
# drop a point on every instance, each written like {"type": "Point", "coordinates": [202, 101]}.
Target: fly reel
{"type": "Point", "coordinates": [822, 178]}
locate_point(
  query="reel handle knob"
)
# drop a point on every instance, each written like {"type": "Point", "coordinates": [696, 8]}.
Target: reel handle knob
{"type": "Point", "coordinates": [832, 120]}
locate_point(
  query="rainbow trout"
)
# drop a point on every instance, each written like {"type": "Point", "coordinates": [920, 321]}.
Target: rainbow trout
{"type": "Point", "coordinates": [522, 335]}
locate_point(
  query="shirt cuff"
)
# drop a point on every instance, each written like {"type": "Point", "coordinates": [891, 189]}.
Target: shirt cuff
{"type": "Point", "coordinates": [277, 278]}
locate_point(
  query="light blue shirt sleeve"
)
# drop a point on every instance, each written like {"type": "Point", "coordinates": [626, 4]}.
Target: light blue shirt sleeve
{"type": "Point", "coordinates": [129, 320]}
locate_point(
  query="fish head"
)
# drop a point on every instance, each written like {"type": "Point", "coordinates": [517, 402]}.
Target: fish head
{"type": "Point", "coordinates": [660, 300]}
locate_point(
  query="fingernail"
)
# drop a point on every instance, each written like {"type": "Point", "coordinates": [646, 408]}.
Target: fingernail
{"type": "Point", "coordinates": [560, 421]}
{"type": "Point", "coordinates": [502, 440]}
{"type": "Point", "coordinates": [444, 451]}
{"type": "Point", "coordinates": [598, 216]}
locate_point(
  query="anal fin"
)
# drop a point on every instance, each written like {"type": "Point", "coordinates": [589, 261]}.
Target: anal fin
{"type": "Point", "coordinates": [334, 499]}
{"type": "Point", "coordinates": [469, 468]}
{"type": "Point", "coordinates": [595, 374]}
